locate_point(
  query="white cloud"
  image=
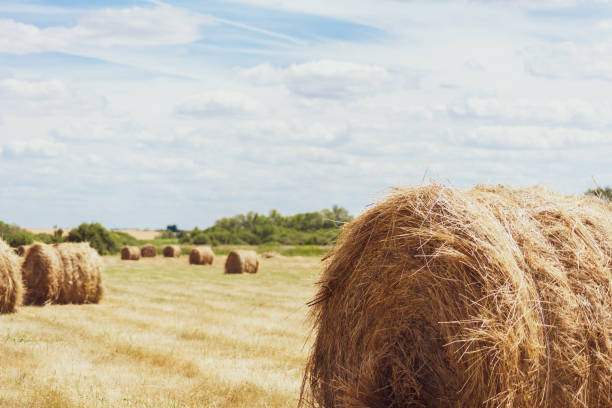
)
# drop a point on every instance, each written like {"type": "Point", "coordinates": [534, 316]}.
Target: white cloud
{"type": "Point", "coordinates": [218, 103]}
{"type": "Point", "coordinates": [46, 97]}
{"type": "Point", "coordinates": [135, 26]}
{"type": "Point", "coordinates": [36, 147]}
{"type": "Point", "coordinates": [325, 79]}
{"type": "Point", "coordinates": [566, 112]}
{"type": "Point", "coordinates": [571, 60]}
{"type": "Point", "coordinates": [531, 137]}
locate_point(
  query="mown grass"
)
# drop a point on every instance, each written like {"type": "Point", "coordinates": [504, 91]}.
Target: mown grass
{"type": "Point", "coordinates": [167, 335]}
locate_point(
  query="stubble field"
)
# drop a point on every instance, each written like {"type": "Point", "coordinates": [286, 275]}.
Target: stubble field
{"type": "Point", "coordinates": [167, 334]}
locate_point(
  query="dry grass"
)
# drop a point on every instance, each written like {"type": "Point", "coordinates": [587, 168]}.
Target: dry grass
{"type": "Point", "coordinates": [166, 335]}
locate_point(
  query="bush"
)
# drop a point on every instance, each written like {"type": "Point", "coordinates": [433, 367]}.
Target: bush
{"type": "Point", "coordinates": [600, 192]}
{"type": "Point", "coordinates": [15, 236]}
{"type": "Point", "coordinates": [98, 237]}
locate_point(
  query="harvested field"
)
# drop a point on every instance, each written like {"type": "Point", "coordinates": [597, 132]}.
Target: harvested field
{"type": "Point", "coordinates": [165, 336]}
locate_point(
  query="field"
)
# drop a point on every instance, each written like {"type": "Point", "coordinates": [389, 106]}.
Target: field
{"type": "Point", "coordinates": [167, 334]}
{"type": "Point", "coordinates": [145, 235]}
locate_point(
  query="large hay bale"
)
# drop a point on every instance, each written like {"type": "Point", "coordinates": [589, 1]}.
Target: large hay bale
{"type": "Point", "coordinates": [130, 253]}
{"type": "Point", "coordinates": [491, 297]}
{"type": "Point", "coordinates": [11, 288]}
{"type": "Point", "coordinates": [148, 251]}
{"type": "Point", "coordinates": [240, 261]}
{"type": "Point", "coordinates": [62, 273]}
{"type": "Point", "coordinates": [172, 251]}
{"type": "Point", "coordinates": [202, 255]}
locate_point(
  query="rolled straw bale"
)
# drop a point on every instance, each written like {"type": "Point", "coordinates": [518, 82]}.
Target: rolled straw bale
{"type": "Point", "coordinates": [270, 254]}
{"type": "Point", "coordinates": [489, 297]}
{"type": "Point", "coordinates": [11, 288]}
{"type": "Point", "coordinates": [148, 251]}
{"type": "Point", "coordinates": [62, 273]}
{"type": "Point", "coordinates": [201, 256]}
{"type": "Point", "coordinates": [172, 251]}
{"type": "Point", "coordinates": [21, 250]}
{"type": "Point", "coordinates": [130, 253]}
{"type": "Point", "coordinates": [241, 261]}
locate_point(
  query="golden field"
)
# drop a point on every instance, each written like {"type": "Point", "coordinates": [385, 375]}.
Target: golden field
{"type": "Point", "coordinates": [167, 334]}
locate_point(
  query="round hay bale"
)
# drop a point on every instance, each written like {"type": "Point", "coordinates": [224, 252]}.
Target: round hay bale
{"type": "Point", "coordinates": [240, 261]}
{"type": "Point", "coordinates": [11, 287]}
{"type": "Point", "coordinates": [270, 254]}
{"type": "Point", "coordinates": [21, 250]}
{"type": "Point", "coordinates": [130, 253]}
{"type": "Point", "coordinates": [148, 251]}
{"type": "Point", "coordinates": [62, 273]}
{"type": "Point", "coordinates": [201, 256]}
{"type": "Point", "coordinates": [490, 297]}
{"type": "Point", "coordinates": [172, 251]}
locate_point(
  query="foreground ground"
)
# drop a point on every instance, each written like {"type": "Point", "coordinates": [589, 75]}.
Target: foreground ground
{"type": "Point", "coordinates": [167, 334]}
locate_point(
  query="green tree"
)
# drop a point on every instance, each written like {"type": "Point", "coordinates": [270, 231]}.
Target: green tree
{"type": "Point", "coordinates": [98, 237]}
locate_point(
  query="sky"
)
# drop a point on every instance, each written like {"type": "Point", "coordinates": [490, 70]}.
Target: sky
{"type": "Point", "coordinates": [140, 114]}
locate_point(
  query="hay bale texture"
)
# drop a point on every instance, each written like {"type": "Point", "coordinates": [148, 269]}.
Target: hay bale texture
{"type": "Point", "coordinates": [148, 251]}
{"type": "Point", "coordinates": [490, 297]}
{"type": "Point", "coordinates": [240, 261]}
{"type": "Point", "coordinates": [201, 256]}
{"type": "Point", "coordinates": [172, 251]}
{"type": "Point", "coordinates": [130, 253]}
{"type": "Point", "coordinates": [11, 288]}
{"type": "Point", "coordinates": [62, 273]}
{"type": "Point", "coordinates": [21, 250]}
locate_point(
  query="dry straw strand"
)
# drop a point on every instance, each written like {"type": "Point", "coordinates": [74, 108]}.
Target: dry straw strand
{"type": "Point", "coordinates": [202, 255]}
{"type": "Point", "coordinates": [241, 261]}
{"type": "Point", "coordinates": [172, 251]}
{"type": "Point", "coordinates": [11, 287]}
{"type": "Point", "coordinates": [130, 253]}
{"type": "Point", "coordinates": [62, 273]}
{"type": "Point", "coordinates": [488, 297]}
{"type": "Point", "coordinates": [148, 251]}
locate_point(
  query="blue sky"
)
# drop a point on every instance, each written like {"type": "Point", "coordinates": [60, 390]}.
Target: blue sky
{"type": "Point", "coordinates": [148, 113]}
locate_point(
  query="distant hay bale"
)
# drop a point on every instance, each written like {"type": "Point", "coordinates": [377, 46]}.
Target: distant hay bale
{"type": "Point", "coordinates": [11, 287]}
{"type": "Point", "coordinates": [172, 251]}
{"type": "Point", "coordinates": [62, 273]}
{"type": "Point", "coordinates": [201, 256]}
{"type": "Point", "coordinates": [21, 250]}
{"type": "Point", "coordinates": [489, 297]}
{"type": "Point", "coordinates": [240, 261]}
{"type": "Point", "coordinates": [270, 254]}
{"type": "Point", "coordinates": [130, 253]}
{"type": "Point", "coordinates": [148, 251]}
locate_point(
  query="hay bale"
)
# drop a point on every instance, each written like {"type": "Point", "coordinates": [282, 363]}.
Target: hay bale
{"type": "Point", "coordinates": [240, 261]}
{"type": "Point", "coordinates": [21, 250]}
{"type": "Point", "coordinates": [62, 273]}
{"type": "Point", "coordinates": [148, 251]}
{"type": "Point", "coordinates": [201, 256]}
{"type": "Point", "coordinates": [11, 287]}
{"type": "Point", "coordinates": [270, 254]}
{"type": "Point", "coordinates": [130, 253]}
{"type": "Point", "coordinates": [172, 251]}
{"type": "Point", "coordinates": [490, 297]}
